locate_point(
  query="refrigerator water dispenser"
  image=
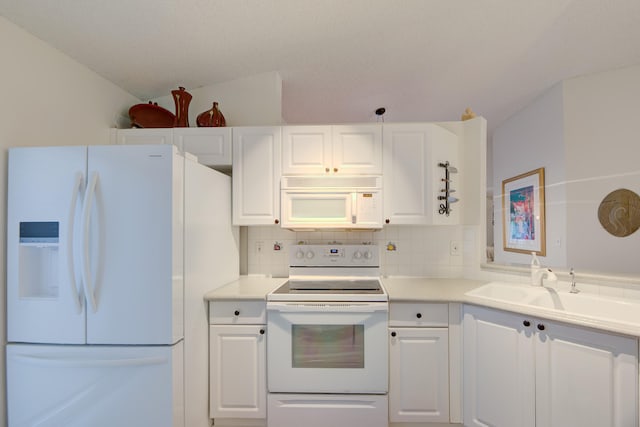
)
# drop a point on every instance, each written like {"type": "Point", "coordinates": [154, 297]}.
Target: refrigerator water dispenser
{"type": "Point", "coordinates": [39, 259]}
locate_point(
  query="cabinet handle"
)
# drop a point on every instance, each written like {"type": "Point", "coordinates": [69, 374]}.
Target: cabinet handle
{"type": "Point", "coordinates": [335, 169]}
{"type": "Point", "coordinates": [237, 312]}
{"type": "Point", "coordinates": [277, 221]}
{"type": "Point", "coordinates": [526, 323]}
{"type": "Point", "coordinates": [261, 331]}
{"type": "Point", "coordinates": [387, 221]}
{"type": "Point", "coordinates": [540, 327]}
{"type": "Point", "coordinates": [419, 315]}
{"type": "Point", "coordinates": [326, 170]}
{"type": "Point", "coordinates": [393, 334]}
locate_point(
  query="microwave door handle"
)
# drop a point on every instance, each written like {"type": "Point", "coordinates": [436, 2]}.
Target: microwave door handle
{"type": "Point", "coordinates": [354, 207]}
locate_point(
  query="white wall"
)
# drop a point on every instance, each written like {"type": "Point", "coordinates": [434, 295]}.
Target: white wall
{"type": "Point", "coordinates": [584, 132]}
{"type": "Point", "coordinates": [48, 99]}
{"type": "Point", "coordinates": [531, 139]}
{"type": "Point", "coordinates": [251, 101]}
{"type": "Point", "coordinates": [602, 155]}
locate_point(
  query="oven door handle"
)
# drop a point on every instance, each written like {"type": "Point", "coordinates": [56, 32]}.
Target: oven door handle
{"type": "Point", "coordinates": [326, 307]}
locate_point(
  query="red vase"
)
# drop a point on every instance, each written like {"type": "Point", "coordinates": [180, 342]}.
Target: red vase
{"type": "Point", "coordinates": [211, 118]}
{"type": "Point", "coordinates": [181, 98]}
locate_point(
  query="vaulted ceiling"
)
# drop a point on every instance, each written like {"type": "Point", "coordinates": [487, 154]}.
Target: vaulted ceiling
{"type": "Point", "coordinates": [424, 60]}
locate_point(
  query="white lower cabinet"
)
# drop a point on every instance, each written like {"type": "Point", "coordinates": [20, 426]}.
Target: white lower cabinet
{"type": "Point", "coordinates": [418, 363]}
{"type": "Point", "coordinates": [237, 360]}
{"type": "Point", "coordinates": [523, 371]}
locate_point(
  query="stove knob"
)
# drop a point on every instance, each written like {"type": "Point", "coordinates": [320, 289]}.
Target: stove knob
{"type": "Point", "coordinates": [299, 254]}
{"type": "Point", "coordinates": [357, 255]}
{"type": "Point", "coordinates": [310, 254]}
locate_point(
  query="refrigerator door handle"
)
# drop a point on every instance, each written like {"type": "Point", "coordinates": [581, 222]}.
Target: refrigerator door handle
{"type": "Point", "coordinates": [75, 294]}
{"type": "Point", "coordinates": [86, 222]}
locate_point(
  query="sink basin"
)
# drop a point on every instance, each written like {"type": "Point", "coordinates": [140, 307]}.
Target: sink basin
{"type": "Point", "coordinates": [504, 292]}
{"type": "Point", "coordinates": [561, 303]}
{"type": "Point", "coordinates": [589, 305]}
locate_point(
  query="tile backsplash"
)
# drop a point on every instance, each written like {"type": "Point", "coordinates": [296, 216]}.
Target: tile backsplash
{"type": "Point", "coordinates": [433, 251]}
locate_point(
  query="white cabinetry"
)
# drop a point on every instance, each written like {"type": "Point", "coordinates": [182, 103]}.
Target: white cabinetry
{"type": "Point", "coordinates": [320, 150]}
{"type": "Point", "coordinates": [418, 362]}
{"type": "Point", "coordinates": [142, 136]}
{"type": "Point", "coordinates": [256, 175]}
{"type": "Point", "coordinates": [212, 145]}
{"type": "Point", "coordinates": [522, 371]}
{"type": "Point", "coordinates": [412, 178]}
{"type": "Point", "coordinates": [237, 358]}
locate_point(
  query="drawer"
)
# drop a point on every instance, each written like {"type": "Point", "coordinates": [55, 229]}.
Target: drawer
{"type": "Point", "coordinates": [419, 314]}
{"type": "Point", "coordinates": [238, 312]}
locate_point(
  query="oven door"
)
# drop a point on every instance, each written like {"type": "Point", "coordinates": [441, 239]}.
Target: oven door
{"type": "Point", "coordinates": [326, 347]}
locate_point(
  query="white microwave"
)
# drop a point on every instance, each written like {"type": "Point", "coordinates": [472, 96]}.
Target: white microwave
{"type": "Point", "coordinates": [331, 202]}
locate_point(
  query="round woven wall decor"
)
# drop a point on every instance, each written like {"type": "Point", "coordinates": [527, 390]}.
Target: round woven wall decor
{"type": "Point", "coordinates": [619, 212]}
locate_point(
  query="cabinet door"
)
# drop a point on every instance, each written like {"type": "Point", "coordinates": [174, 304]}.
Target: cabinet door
{"type": "Point", "coordinates": [419, 375]}
{"type": "Point", "coordinates": [144, 136]}
{"type": "Point", "coordinates": [256, 175]}
{"type": "Point", "coordinates": [412, 177]}
{"type": "Point", "coordinates": [406, 189]}
{"type": "Point", "coordinates": [357, 149]}
{"type": "Point", "coordinates": [499, 377]}
{"type": "Point", "coordinates": [306, 150]}
{"type": "Point", "coordinates": [212, 145]}
{"type": "Point", "coordinates": [585, 378]}
{"type": "Point", "coordinates": [237, 360]}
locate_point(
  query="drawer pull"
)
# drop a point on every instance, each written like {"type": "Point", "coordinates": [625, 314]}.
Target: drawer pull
{"type": "Point", "coordinates": [393, 334]}
{"type": "Point", "coordinates": [419, 315]}
{"type": "Point", "coordinates": [526, 323]}
{"type": "Point", "coordinates": [237, 312]}
{"type": "Point", "coordinates": [261, 331]}
{"type": "Point", "coordinates": [540, 327]}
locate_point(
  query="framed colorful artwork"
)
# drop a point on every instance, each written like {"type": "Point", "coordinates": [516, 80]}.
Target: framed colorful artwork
{"type": "Point", "coordinates": [523, 225]}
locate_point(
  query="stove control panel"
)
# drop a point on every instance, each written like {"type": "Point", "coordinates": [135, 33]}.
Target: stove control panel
{"type": "Point", "coordinates": [334, 255]}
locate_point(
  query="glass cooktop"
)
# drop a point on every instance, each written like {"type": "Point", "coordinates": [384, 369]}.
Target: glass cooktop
{"type": "Point", "coordinates": [342, 286]}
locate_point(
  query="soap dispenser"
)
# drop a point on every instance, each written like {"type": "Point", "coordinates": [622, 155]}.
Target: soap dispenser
{"type": "Point", "coordinates": [535, 266]}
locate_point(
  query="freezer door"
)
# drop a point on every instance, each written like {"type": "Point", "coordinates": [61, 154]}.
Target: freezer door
{"type": "Point", "coordinates": [44, 301]}
{"type": "Point", "coordinates": [80, 386]}
{"type": "Point", "coordinates": [134, 244]}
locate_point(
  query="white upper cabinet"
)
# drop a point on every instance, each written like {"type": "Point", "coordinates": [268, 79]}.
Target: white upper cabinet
{"type": "Point", "coordinates": [256, 175]}
{"type": "Point", "coordinates": [212, 145]}
{"type": "Point", "coordinates": [142, 136]}
{"type": "Point", "coordinates": [321, 150]}
{"type": "Point", "coordinates": [413, 179]}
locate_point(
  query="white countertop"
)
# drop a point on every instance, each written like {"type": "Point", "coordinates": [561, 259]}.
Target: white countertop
{"type": "Point", "coordinates": [421, 289]}
{"type": "Point", "coordinates": [246, 288]}
{"type": "Point", "coordinates": [415, 289]}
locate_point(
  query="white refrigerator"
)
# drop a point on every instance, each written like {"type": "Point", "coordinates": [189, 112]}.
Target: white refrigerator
{"type": "Point", "coordinates": [109, 252]}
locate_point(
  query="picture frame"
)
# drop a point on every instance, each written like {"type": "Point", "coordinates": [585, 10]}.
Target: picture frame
{"type": "Point", "coordinates": [523, 207]}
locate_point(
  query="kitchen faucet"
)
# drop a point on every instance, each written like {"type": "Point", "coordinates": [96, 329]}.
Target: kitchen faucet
{"type": "Point", "coordinates": [542, 273]}
{"type": "Point", "coordinates": [573, 290]}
